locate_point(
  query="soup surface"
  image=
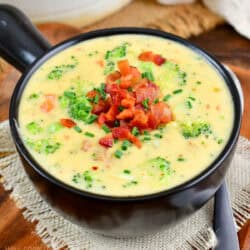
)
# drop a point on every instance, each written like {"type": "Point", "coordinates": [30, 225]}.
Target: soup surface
{"type": "Point", "coordinates": [125, 115]}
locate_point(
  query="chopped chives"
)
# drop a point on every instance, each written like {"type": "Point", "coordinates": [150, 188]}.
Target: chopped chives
{"type": "Point", "coordinates": [189, 104]}
{"type": "Point", "coordinates": [89, 134]}
{"type": "Point", "coordinates": [135, 131]}
{"type": "Point", "coordinates": [125, 144]}
{"type": "Point", "coordinates": [126, 171]}
{"type": "Point", "coordinates": [96, 99]}
{"type": "Point", "coordinates": [78, 129]}
{"type": "Point", "coordinates": [106, 128]}
{"type": "Point", "coordinates": [220, 141]}
{"type": "Point", "coordinates": [166, 97]}
{"type": "Point", "coordinates": [158, 136]}
{"type": "Point", "coordinates": [130, 89]}
{"type": "Point", "coordinates": [156, 100]}
{"type": "Point", "coordinates": [198, 82]}
{"type": "Point", "coordinates": [120, 108]}
{"type": "Point", "coordinates": [191, 98]}
{"type": "Point", "coordinates": [180, 158]}
{"type": "Point", "coordinates": [145, 103]}
{"type": "Point", "coordinates": [145, 132]}
{"type": "Point", "coordinates": [118, 154]}
{"type": "Point", "coordinates": [149, 75]}
{"type": "Point", "coordinates": [177, 91]}
{"type": "Point", "coordinates": [146, 138]}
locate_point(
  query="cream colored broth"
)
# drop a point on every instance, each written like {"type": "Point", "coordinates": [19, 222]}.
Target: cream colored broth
{"type": "Point", "coordinates": [134, 173]}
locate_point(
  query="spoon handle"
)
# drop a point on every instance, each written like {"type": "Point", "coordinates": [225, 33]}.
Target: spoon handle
{"type": "Point", "coordinates": [224, 225]}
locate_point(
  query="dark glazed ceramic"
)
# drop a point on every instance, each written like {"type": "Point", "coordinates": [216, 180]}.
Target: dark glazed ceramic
{"type": "Point", "coordinates": [22, 45]}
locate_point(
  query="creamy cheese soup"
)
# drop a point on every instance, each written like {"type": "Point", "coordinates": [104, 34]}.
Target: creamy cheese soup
{"type": "Point", "coordinates": [125, 115]}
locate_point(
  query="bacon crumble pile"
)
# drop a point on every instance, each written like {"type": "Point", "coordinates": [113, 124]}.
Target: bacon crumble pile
{"type": "Point", "coordinates": [131, 101]}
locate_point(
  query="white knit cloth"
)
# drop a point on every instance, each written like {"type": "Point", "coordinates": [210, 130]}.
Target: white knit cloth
{"type": "Point", "coordinates": [57, 232]}
{"type": "Point", "coordinates": [236, 12]}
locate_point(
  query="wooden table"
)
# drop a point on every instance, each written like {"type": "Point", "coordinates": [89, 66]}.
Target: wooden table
{"type": "Point", "coordinates": [229, 47]}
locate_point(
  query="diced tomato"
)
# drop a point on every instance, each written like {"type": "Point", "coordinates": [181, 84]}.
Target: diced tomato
{"type": "Point", "coordinates": [159, 60]}
{"type": "Point", "coordinates": [146, 56]}
{"type": "Point", "coordinates": [49, 103]}
{"type": "Point", "coordinates": [106, 141]}
{"type": "Point", "coordinates": [95, 168]}
{"type": "Point", "coordinates": [140, 119]}
{"type": "Point", "coordinates": [113, 77]}
{"type": "Point", "coordinates": [67, 123]}
{"type": "Point", "coordinates": [125, 114]}
{"type": "Point", "coordinates": [124, 67]}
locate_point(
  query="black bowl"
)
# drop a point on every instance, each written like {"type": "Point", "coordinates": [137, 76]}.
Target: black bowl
{"type": "Point", "coordinates": [22, 45]}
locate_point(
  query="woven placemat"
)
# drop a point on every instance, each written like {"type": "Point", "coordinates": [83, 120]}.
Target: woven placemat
{"type": "Point", "coordinates": [183, 19]}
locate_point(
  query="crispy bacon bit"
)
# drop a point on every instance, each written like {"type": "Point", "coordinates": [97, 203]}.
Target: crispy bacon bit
{"type": "Point", "coordinates": [149, 56]}
{"type": "Point", "coordinates": [106, 141]}
{"type": "Point", "coordinates": [129, 103]}
{"type": "Point", "coordinates": [67, 123]}
{"type": "Point", "coordinates": [124, 67]}
{"type": "Point", "coordinates": [95, 168]}
{"type": "Point", "coordinates": [49, 103]}
{"type": "Point", "coordinates": [113, 77]}
{"type": "Point", "coordinates": [125, 114]}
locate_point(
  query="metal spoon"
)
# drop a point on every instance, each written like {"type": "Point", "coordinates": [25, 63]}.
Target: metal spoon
{"type": "Point", "coordinates": [224, 225]}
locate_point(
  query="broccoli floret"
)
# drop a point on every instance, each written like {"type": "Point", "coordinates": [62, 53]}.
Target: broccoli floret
{"type": "Point", "coordinates": [79, 107]}
{"type": "Point", "coordinates": [160, 163]}
{"type": "Point", "coordinates": [43, 146]}
{"type": "Point", "coordinates": [175, 74]}
{"type": "Point", "coordinates": [54, 127]}
{"type": "Point", "coordinates": [57, 72]}
{"type": "Point", "coordinates": [34, 128]}
{"type": "Point", "coordinates": [195, 129]}
{"type": "Point", "coordinates": [117, 52]}
{"type": "Point", "coordinates": [85, 178]}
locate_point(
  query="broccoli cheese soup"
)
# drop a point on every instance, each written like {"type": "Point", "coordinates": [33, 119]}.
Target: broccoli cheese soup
{"type": "Point", "coordinates": [125, 115]}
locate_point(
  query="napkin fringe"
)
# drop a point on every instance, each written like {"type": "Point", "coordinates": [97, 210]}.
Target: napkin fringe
{"type": "Point", "coordinates": [52, 228]}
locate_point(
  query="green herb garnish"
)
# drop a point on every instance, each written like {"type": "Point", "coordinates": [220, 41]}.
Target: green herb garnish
{"type": "Point", "coordinates": [89, 134]}
{"type": "Point", "coordinates": [177, 91]}
{"type": "Point", "coordinates": [145, 103]}
{"type": "Point", "coordinates": [166, 97]}
{"type": "Point", "coordinates": [118, 154]}
{"type": "Point", "coordinates": [126, 171]}
{"type": "Point", "coordinates": [148, 75]}
{"type": "Point", "coordinates": [106, 129]}
{"type": "Point", "coordinates": [158, 136]}
{"type": "Point", "coordinates": [135, 131]}
{"type": "Point", "coordinates": [77, 129]}
{"type": "Point", "coordinates": [125, 144]}
{"type": "Point", "coordinates": [33, 96]}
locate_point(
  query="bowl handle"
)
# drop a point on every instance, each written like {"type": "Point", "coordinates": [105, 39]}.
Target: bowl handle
{"type": "Point", "coordinates": [20, 41]}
